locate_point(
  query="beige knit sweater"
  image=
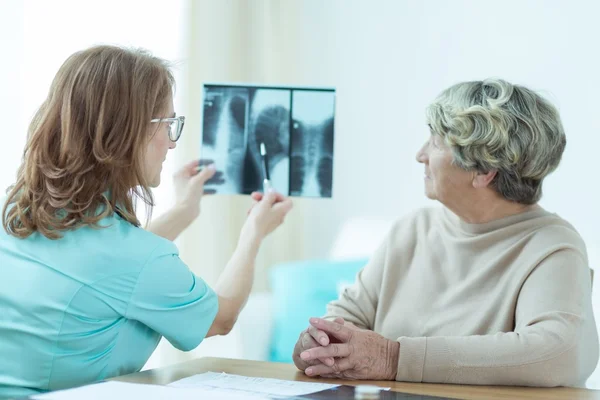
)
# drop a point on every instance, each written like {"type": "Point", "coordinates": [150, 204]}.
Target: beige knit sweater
{"type": "Point", "coordinates": [502, 303]}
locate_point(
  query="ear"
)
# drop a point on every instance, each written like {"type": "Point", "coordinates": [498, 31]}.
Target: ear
{"type": "Point", "coordinates": [481, 180]}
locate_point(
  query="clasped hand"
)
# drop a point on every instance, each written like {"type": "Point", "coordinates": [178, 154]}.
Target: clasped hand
{"type": "Point", "coordinates": [338, 349]}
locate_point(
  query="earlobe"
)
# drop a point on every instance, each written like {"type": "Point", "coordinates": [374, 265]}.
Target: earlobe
{"type": "Point", "coordinates": [475, 179]}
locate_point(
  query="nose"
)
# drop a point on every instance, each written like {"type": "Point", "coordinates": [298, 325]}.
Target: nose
{"type": "Point", "coordinates": [172, 144]}
{"type": "Point", "coordinates": [422, 156]}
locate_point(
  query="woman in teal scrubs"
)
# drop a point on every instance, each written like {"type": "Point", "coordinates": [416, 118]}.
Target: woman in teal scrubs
{"type": "Point", "coordinates": [85, 292]}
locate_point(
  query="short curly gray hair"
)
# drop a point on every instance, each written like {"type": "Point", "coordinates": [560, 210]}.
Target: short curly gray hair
{"type": "Point", "coordinates": [495, 125]}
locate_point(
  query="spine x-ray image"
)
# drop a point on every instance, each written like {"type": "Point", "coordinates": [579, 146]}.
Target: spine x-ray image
{"type": "Point", "coordinates": [295, 125]}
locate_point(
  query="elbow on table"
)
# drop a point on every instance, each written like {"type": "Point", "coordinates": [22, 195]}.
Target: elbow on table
{"type": "Point", "coordinates": [571, 367]}
{"type": "Point", "coordinates": [222, 326]}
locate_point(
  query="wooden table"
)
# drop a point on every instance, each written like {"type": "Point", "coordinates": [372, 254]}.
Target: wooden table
{"type": "Point", "coordinates": [163, 376]}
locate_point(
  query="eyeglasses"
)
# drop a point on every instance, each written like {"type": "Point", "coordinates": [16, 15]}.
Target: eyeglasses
{"type": "Point", "coordinates": [175, 126]}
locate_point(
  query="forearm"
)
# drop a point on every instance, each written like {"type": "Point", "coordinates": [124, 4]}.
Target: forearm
{"type": "Point", "coordinates": [171, 224]}
{"type": "Point", "coordinates": [549, 354]}
{"type": "Point", "coordinates": [234, 285]}
{"type": "Point", "coordinates": [235, 282]}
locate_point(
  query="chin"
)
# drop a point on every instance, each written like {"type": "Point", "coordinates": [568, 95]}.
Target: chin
{"type": "Point", "coordinates": [430, 195]}
{"type": "Point", "coordinates": [154, 182]}
{"type": "Point", "coordinates": [430, 191]}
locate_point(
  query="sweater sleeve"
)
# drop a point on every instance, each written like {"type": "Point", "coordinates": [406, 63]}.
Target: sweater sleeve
{"type": "Point", "coordinates": [555, 341]}
{"type": "Point", "coordinates": [358, 303]}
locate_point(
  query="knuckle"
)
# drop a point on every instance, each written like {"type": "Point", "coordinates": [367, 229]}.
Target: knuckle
{"type": "Point", "coordinates": [304, 342]}
{"type": "Point", "coordinates": [350, 334]}
{"type": "Point", "coordinates": [307, 341]}
{"type": "Point", "coordinates": [351, 348]}
{"type": "Point", "coordinates": [335, 349]}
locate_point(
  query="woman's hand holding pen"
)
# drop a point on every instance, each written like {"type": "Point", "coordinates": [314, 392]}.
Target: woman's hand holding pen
{"type": "Point", "coordinates": [266, 214]}
{"type": "Point", "coordinates": [258, 196]}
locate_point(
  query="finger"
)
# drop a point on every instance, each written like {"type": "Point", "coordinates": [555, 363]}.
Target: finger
{"type": "Point", "coordinates": [338, 320]}
{"type": "Point", "coordinates": [327, 361]}
{"type": "Point", "coordinates": [256, 196]}
{"type": "Point", "coordinates": [194, 166]}
{"type": "Point", "coordinates": [332, 328]}
{"type": "Point", "coordinates": [333, 350]}
{"type": "Point", "coordinates": [204, 175]}
{"type": "Point", "coordinates": [191, 166]}
{"type": "Point", "coordinates": [197, 169]}
{"type": "Point", "coordinates": [340, 365]}
{"type": "Point", "coordinates": [280, 197]}
{"type": "Point", "coordinates": [284, 206]}
{"type": "Point", "coordinates": [347, 324]}
{"type": "Point", "coordinates": [308, 342]}
{"type": "Point", "coordinates": [269, 199]}
{"type": "Point", "coordinates": [318, 335]}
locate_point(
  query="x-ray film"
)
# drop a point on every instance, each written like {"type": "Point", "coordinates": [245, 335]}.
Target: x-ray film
{"type": "Point", "coordinates": [294, 125]}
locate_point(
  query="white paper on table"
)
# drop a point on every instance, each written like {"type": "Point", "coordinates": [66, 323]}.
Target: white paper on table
{"type": "Point", "coordinates": [122, 391]}
{"type": "Point", "coordinates": [246, 384]}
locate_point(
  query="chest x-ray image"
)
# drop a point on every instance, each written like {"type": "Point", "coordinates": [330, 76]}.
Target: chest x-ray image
{"type": "Point", "coordinates": [281, 134]}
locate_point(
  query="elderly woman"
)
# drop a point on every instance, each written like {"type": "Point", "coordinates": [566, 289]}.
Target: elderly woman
{"type": "Point", "coordinates": [490, 289]}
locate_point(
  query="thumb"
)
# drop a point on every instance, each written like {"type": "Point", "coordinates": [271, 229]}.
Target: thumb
{"type": "Point", "coordinates": [339, 320]}
{"type": "Point", "coordinates": [204, 175]}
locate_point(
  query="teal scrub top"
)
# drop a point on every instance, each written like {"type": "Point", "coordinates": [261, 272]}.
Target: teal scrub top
{"type": "Point", "coordinates": [93, 305]}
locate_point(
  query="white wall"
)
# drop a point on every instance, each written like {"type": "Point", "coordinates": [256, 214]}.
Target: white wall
{"type": "Point", "coordinates": [12, 133]}
{"type": "Point", "coordinates": [37, 36]}
{"type": "Point", "coordinates": [389, 59]}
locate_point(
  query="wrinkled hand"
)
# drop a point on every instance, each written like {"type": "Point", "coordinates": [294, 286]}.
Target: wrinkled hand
{"type": "Point", "coordinates": [311, 338]}
{"type": "Point", "coordinates": [362, 354]}
{"type": "Point", "coordinates": [189, 184]}
{"type": "Point", "coordinates": [266, 214]}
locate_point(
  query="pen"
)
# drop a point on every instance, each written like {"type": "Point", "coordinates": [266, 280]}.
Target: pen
{"type": "Point", "coordinates": [265, 167]}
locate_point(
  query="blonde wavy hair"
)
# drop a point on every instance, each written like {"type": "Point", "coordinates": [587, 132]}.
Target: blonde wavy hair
{"type": "Point", "coordinates": [495, 125]}
{"type": "Point", "coordinates": [84, 157]}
